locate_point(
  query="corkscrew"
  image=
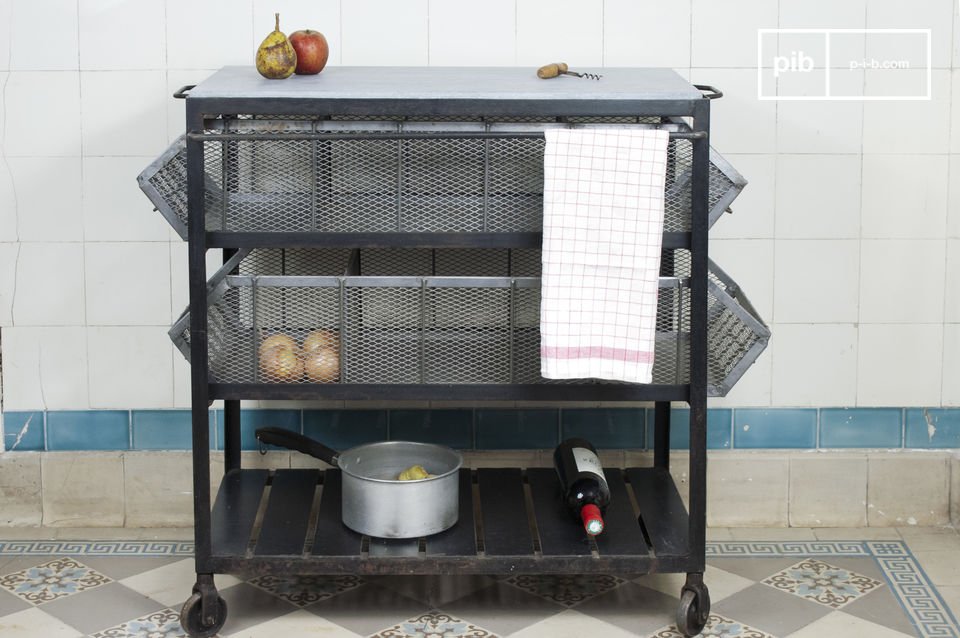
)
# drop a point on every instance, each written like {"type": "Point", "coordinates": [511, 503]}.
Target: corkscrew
{"type": "Point", "coordinates": [560, 68]}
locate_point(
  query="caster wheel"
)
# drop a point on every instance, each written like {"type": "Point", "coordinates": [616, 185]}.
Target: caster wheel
{"type": "Point", "coordinates": [191, 617]}
{"type": "Point", "coordinates": [693, 612]}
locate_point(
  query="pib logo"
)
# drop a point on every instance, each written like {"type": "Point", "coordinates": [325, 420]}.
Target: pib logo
{"type": "Point", "coordinates": [795, 62]}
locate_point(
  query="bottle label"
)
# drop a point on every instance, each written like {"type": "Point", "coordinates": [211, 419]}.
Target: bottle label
{"type": "Point", "coordinates": [587, 461]}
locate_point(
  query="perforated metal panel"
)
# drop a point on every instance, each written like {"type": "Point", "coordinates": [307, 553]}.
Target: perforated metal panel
{"type": "Point", "coordinates": [436, 317]}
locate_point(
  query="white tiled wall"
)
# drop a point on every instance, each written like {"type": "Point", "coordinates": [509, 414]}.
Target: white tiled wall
{"type": "Point", "coordinates": [847, 240]}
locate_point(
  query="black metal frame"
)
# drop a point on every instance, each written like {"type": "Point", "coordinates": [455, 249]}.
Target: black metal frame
{"type": "Point", "coordinates": [691, 561]}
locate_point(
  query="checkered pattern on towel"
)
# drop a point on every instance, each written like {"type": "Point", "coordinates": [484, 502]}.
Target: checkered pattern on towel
{"type": "Point", "coordinates": [602, 234]}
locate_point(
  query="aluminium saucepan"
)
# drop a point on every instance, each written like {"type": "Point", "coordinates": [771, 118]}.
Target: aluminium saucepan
{"type": "Point", "coordinates": [375, 503]}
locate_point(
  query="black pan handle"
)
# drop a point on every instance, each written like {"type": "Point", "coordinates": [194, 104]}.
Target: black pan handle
{"type": "Point", "coordinates": [293, 441]}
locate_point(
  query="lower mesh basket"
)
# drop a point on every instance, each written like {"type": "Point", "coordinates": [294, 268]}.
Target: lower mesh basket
{"type": "Point", "coordinates": [420, 316]}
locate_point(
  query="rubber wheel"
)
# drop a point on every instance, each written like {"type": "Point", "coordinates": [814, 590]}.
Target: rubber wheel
{"type": "Point", "coordinates": [691, 616]}
{"type": "Point", "coordinates": [192, 623]}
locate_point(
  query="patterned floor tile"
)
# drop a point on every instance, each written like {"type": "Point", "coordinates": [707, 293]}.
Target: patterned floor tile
{"type": "Point", "coordinates": [434, 624]}
{"type": "Point", "coordinates": [52, 580]}
{"type": "Point", "coordinates": [35, 623]}
{"type": "Point", "coordinates": [719, 627]}
{"type": "Point", "coordinates": [306, 590]}
{"type": "Point", "coordinates": [161, 624]}
{"type": "Point", "coordinates": [566, 590]}
{"type": "Point", "coordinates": [822, 582]}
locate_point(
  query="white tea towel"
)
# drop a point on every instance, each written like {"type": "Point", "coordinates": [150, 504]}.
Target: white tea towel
{"type": "Point", "coordinates": [602, 233]}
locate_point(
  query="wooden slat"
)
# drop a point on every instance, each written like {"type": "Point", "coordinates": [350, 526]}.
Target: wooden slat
{"type": "Point", "coordinates": [394, 547]}
{"type": "Point", "coordinates": [504, 513]}
{"type": "Point", "coordinates": [333, 538]}
{"type": "Point", "coordinates": [560, 533]}
{"type": "Point", "coordinates": [621, 533]}
{"type": "Point", "coordinates": [287, 517]}
{"type": "Point", "coordinates": [235, 510]}
{"type": "Point", "coordinates": [661, 509]}
{"type": "Point", "coordinates": [459, 540]}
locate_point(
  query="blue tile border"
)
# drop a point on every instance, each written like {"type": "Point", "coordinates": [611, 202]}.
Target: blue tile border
{"type": "Point", "coordinates": [861, 428]}
{"type": "Point", "coordinates": [167, 429]}
{"type": "Point", "coordinates": [24, 431]}
{"type": "Point", "coordinates": [496, 428]}
{"type": "Point", "coordinates": [932, 428]}
{"type": "Point", "coordinates": [719, 428]}
{"type": "Point", "coordinates": [88, 430]}
{"type": "Point", "coordinates": [514, 429]}
{"type": "Point", "coordinates": [777, 428]}
{"type": "Point", "coordinates": [615, 428]}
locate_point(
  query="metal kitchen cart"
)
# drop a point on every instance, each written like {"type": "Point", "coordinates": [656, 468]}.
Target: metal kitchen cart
{"type": "Point", "coordinates": [401, 207]}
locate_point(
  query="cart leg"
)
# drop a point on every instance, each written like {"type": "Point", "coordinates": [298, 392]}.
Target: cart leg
{"type": "Point", "coordinates": [205, 612]}
{"type": "Point", "coordinates": [231, 434]}
{"type": "Point", "coordinates": [694, 609]}
{"type": "Point", "coordinates": [661, 434]}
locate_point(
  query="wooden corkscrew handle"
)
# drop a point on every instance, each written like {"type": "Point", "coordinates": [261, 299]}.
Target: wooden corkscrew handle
{"type": "Point", "coordinates": [552, 70]}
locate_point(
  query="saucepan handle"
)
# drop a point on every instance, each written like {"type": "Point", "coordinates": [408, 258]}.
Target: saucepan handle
{"type": "Point", "coordinates": [293, 441]}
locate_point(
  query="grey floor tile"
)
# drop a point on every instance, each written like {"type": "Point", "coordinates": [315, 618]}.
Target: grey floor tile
{"type": "Point", "coordinates": [632, 607]}
{"type": "Point", "coordinates": [755, 569]}
{"type": "Point", "coordinates": [120, 567]}
{"type": "Point", "coordinates": [866, 566]}
{"type": "Point", "coordinates": [10, 604]}
{"type": "Point", "coordinates": [769, 610]}
{"type": "Point", "coordinates": [248, 606]}
{"type": "Point", "coordinates": [881, 607]}
{"type": "Point", "coordinates": [368, 608]}
{"type": "Point", "coordinates": [501, 608]}
{"type": "Point", "coordinates": [101, 607]}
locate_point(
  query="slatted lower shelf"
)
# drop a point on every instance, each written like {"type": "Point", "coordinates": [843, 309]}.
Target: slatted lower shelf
{"type": "Point", "coordinates": [511, 520]}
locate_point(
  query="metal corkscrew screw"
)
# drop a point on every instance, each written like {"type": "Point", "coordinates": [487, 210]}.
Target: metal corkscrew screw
{"type": "Point", "coordinates": [560, 68]}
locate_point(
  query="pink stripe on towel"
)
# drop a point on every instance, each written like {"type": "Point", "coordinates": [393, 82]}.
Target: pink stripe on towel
{"type": "Point", "coordinates": [597, 352]}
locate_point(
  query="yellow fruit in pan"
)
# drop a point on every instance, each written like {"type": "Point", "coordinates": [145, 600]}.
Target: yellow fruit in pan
{"type": "Point", "coordinates": [322, 365]}
{"type": "Point", "coordinates": [414, 473]}
{"type": "Point", "coordinates": [280, 365]}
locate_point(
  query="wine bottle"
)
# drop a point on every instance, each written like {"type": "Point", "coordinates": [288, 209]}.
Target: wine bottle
{"type": "Point", "coordinates": [584, 487]}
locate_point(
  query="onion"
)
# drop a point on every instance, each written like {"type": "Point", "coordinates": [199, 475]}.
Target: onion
{"type": "Point", "coordinates": [278, 340]}
{"type": "Point", "coordinates": [322, 339]}
{"type": "Point", "coordinates": [322, 365]}
{"type": "Point", "coordinates": [280, 364]}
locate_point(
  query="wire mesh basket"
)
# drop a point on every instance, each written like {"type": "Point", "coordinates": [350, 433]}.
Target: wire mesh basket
{"type": "Point", "coordinates": [394, 175]}
{"type": "Point", "coordinates": [422, 316]}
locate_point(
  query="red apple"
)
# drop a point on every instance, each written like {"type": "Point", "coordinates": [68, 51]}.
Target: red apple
{"type": "Point", "coordinates": [312, 51]}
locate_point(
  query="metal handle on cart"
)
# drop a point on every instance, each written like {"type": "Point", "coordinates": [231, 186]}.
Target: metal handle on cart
{"type": "Point", "coordinates": [709, 92]}
{"type": "Point", "coordinates": [293, 441]}
{"type": "Point", "coordinates": [181, 93]}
